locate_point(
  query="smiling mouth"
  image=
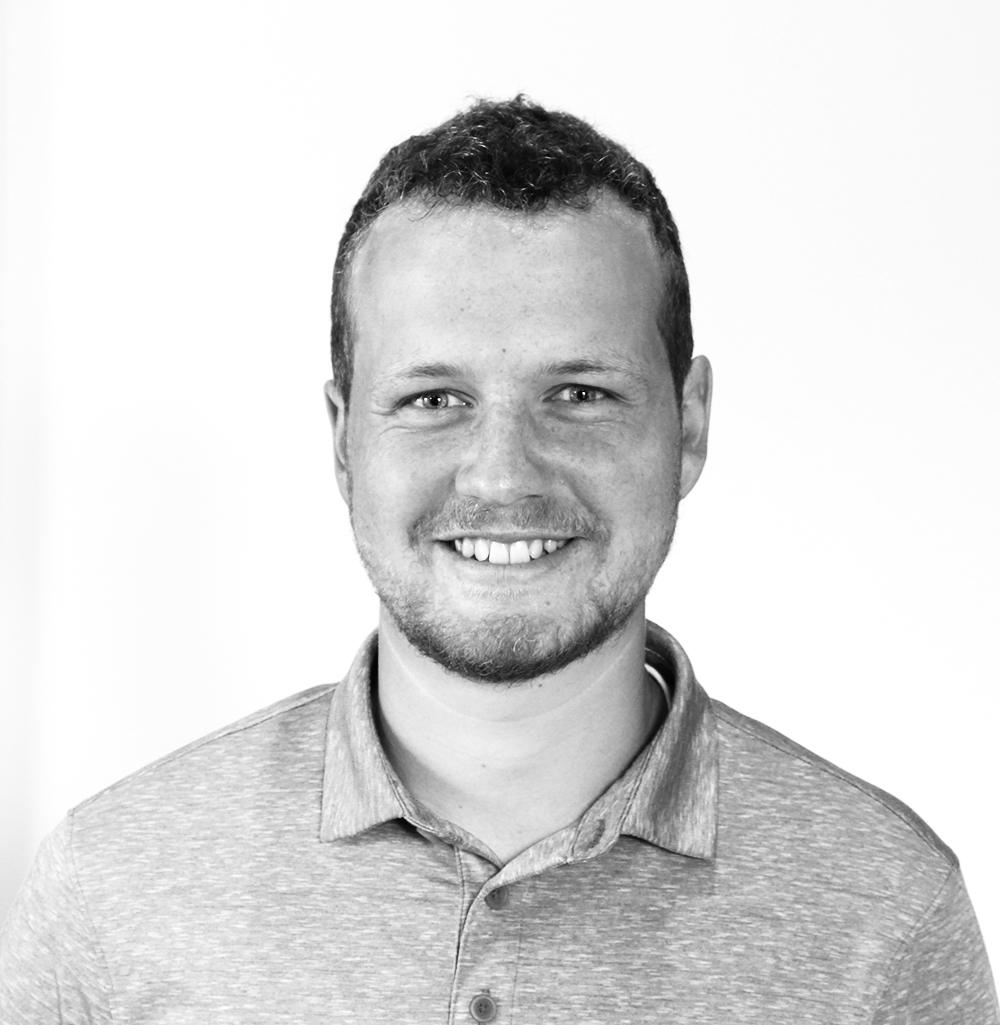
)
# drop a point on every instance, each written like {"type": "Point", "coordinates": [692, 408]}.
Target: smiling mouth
{"type": "Point", "coordinates": [502, 553]}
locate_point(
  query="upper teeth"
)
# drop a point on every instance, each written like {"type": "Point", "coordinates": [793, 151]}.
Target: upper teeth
{"type": "Point", "coordinates": [502, 554]}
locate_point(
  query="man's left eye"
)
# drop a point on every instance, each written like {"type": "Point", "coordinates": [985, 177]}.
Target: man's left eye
{"type": "Point", "coordinates": [580, 394]}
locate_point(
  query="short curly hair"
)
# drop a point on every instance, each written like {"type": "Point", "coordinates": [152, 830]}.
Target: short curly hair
{"type": "Point", "coordinates": [515, 155]}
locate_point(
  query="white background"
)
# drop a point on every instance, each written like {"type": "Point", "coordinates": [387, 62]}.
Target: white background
{"type": "Point", "coordinates": [176, 177]}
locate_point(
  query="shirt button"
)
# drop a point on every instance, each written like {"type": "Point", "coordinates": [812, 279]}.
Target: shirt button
{"type": "Point", "coordinates": [594, 835]}
{"type": "Point", "coordinates": [498, 899]}
{"type": "Point", "coordinates": [483, 1007]}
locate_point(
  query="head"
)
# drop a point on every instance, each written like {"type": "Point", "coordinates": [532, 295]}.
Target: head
{"type": "Point", "coordinates": [516, 410]}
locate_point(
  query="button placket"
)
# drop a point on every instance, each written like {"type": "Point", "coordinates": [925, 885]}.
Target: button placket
{"type": "Point", "coordinates": [488, 955]}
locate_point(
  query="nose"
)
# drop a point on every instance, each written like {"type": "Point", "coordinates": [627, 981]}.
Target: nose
{"type": "Point", "coordinates": [504, 462]}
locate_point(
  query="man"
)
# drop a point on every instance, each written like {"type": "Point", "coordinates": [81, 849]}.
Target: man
{"type": "Point", "coordinates": [519, 806]}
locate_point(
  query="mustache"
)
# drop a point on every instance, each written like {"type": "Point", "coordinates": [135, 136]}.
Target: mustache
{"type": "Point", "coordinates": [541, 517]}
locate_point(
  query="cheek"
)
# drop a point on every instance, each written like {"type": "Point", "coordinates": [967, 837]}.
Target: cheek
{"type": "Point", "coordinates": [637, 480]}
{"type": "Point", "coordinates": [393, 486]}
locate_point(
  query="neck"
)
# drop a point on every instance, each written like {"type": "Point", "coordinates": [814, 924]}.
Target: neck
{"type": "Point", "coordinates": [511, 764]}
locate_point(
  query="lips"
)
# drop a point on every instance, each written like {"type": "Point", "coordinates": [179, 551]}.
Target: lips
{"type": "Point", "coordinates": [502, 553]}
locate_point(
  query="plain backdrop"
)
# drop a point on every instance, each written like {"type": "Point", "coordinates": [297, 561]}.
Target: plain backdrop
{"type": "Point", "coordinates": [175, 180]}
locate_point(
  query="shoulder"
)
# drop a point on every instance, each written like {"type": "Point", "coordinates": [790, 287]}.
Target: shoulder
{"type": "Point", "coordinates": [782, 804]}
{"type": "Point", "coordinates": [219, 777]}
{"type": "Point", "coordinates": [124, 867]}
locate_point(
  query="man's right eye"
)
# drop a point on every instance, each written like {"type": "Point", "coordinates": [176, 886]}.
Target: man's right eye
{"type": "Point", "coordinates": [434, 400]}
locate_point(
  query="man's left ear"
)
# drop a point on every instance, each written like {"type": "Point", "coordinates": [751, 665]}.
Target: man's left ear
{"type": "Point", "coordinates": [696, 408]}
{"type": "Point", "coordinates": [336, 407]}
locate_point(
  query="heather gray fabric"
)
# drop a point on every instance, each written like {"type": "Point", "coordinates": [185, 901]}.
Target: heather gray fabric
{"type": "Point", "coordinates": [278, 872]}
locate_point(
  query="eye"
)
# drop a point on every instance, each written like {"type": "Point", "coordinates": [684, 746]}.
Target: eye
{"type": "Point", "coordinates": [434, 400]}
{"type": "Point", "coordinates": [580, 394]}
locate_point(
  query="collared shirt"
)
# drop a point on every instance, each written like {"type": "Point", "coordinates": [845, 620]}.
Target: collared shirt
{"type": "Point", "coordinates": [279, 872]}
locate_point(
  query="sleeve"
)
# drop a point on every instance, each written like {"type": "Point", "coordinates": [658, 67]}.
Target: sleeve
{"type": "Point", "coordinates": [52, 969]}
{"type": "Point", "coordinates": [941, 976]}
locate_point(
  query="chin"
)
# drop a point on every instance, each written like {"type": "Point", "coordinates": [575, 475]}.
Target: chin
{"type": "Point", "coordinates": [507, 649]}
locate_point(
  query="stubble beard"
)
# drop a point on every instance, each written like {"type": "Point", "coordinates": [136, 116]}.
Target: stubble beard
{"type": "Point", "coordinates": [512, 647]}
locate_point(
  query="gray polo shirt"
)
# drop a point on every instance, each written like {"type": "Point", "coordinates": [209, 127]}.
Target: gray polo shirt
{"type": "Point", "coordinates": [278, 872]}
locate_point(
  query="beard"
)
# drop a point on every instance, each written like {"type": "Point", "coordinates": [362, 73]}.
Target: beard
{"type": "Point", "coordinates": [511, 647]}
{"type": "Point", "coordinates": [508, 648]}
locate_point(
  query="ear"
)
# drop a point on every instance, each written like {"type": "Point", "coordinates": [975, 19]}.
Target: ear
{"type": "Point", "coordinates": [696, 408]}
{"type": "Point", "coordinates": [336, 407]}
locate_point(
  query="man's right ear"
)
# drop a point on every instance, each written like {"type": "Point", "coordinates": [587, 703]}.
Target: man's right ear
{"type": "Point", "coordinates": [336, 408]}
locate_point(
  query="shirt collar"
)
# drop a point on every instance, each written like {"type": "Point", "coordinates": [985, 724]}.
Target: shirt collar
{"type": "Point", "coordinates": [667, 796]}
{"type": "Point", "coordinates": [674, 803]}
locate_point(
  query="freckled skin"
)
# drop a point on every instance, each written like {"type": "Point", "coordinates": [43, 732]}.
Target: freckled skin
{"type": "Point", "coordinates": [498, 299]}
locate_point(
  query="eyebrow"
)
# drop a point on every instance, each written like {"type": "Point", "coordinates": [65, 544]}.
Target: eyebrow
{"type": "Point", "coordinates": [425, 370]}
{"type": "Point", "coordinates": [568, 368]}
{"type": "Point", "coordinates": [562, 368]}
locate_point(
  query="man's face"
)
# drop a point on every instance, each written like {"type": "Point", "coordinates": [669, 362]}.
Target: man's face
{"type": "Point", "coordinates": [513, 454]}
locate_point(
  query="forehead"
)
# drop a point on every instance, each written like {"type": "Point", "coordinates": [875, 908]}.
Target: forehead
{"type": "Point", "coordinates": [477, 279]}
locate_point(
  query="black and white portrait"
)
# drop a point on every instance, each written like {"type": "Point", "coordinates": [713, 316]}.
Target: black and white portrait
{"type": "Point", "coordinates": [489, 466]}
